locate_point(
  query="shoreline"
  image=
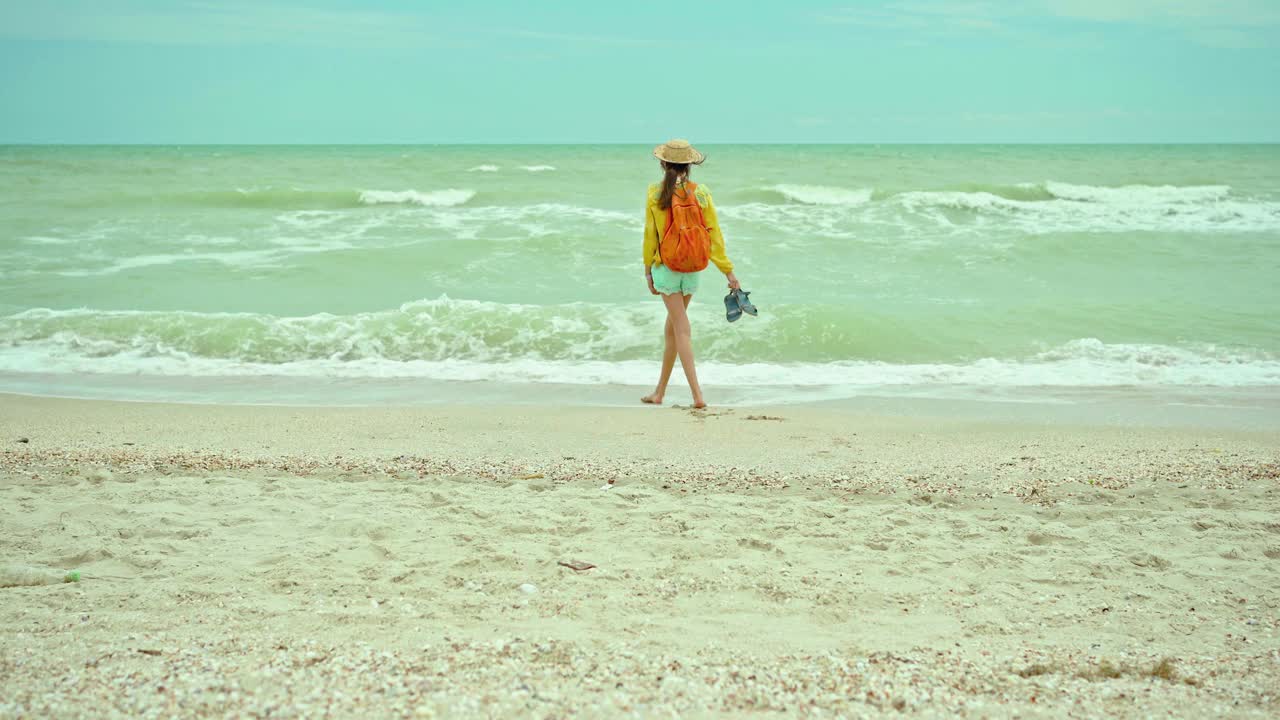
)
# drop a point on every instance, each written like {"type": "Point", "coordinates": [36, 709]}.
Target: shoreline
{"type": "Point", "coordinates": [406, 561]}
{"type": "Point", "coordinates": [1247, 408]}
{"type": "Point", "coordinates": [508, 430]}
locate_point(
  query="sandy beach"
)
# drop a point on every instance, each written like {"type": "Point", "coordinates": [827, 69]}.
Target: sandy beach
{"type": "Point", "coordinates": [823, 561]}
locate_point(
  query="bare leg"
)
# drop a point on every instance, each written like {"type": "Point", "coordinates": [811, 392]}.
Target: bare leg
{"type": "Point", "coordinates": [668, 361]}
{"type": "Point", "coordinates": [684, 343]}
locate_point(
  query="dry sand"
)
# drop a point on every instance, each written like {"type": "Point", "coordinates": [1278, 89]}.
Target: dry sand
{"type": "Point", "coordinates": [286, 562]}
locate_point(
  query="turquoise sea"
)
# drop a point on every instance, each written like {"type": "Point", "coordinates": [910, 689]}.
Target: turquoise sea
{"type": "Point", "coordinates": [350, 274]}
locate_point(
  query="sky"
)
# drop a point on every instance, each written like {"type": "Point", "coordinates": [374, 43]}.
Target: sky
{"type": "Point", "coordinates": [477, 71]}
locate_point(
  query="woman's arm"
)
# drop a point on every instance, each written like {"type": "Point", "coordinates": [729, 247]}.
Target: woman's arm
{"type": "Point", "coordinates": [718, 256]}
{"type": "Point", "coordinates": [650, 242]}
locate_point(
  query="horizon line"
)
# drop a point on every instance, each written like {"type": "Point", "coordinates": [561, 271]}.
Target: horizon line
{"type": "Point", "coordinates": [629, 143]}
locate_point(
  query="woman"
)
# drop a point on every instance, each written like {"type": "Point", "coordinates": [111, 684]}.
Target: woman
{"type": "Point", "coordinates": [677, 288]}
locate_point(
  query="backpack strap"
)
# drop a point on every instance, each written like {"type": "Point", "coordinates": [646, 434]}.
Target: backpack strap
{"type": "Point", "coordinates": [689, 190]}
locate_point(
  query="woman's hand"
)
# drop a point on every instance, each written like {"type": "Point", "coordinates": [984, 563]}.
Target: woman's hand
{"type": "Point", "coordinates": [733, 281]}
{"type": "Point", "coordinates": [648, 276]}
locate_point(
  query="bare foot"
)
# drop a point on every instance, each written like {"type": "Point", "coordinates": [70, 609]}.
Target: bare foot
{"type": "Point", "coordinates": [652, 399]}
{"type": "Point", "coordinates": [699, 403]}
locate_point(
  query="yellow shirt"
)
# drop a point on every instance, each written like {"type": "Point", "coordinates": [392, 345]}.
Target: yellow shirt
{"type": "Point", "coordinates": [655, 223]}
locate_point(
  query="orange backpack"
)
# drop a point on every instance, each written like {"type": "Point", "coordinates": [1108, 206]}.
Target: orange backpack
{"type": "Point", "coordinates": [686, 243]}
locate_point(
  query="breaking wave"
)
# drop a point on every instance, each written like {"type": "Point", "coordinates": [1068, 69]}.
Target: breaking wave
{"type": "Point", "coordinates": [578, 343]}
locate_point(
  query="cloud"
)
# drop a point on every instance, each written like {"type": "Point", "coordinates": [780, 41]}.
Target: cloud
{"type": "Point", "coordinates": [1220, 23]}
{"type": "Point", "coordinates": [213, 23]}
{"type": "Point", "coordinates": [1240, 13]}
{"type": "Point", "coordinates": [928, 16]}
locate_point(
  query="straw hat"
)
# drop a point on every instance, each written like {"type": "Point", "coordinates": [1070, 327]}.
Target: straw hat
{"type": "Point", "coordinates": [678, 151]}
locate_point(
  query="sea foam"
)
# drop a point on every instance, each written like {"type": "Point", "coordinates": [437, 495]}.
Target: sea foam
{"type": "Point", "coordinates": [1032, 208]}
{"type": "Point", "coordinates": [1139, 194]}
{"type": "Point", "coordinates": [447, 339]}
{"type": "Point", "coordinates": [824, 195]}
{"type": "Point", "coordinates": [433, 198]}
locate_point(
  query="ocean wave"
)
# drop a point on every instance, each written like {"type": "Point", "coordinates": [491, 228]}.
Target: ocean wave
{"type": "Point", "coordinates": [1121, 195]}
{"type": "Point", "coordinates": [1052, 194]}
{"type": "Point", "coordinates": [1049, 207]}
{"type": "Point", "coordinates": [991, 373]}
{"type": "Point", "coordinates": [1131, 195]}
{"type": "Point", "coordinates": [273, 198]}
{"type": "Point", "coordinates": [233, 259]}
{"type": "Point", "coordinates": [435, 198]}
{"type": "Point", "coordinates": [828, 195]}
{"type": "Point", "coordinates": [1095, 209]}
{"type": "Point", "coordinates": [293, 234]}
{"type": "Point", "coordinates": [49, 240]}
{"type": "Point", "coordinates": [1026, 191]}
{"type": "Point", "coordinates": [823, 195]}
{"type": "Point", "coordinates": [450, 339]}
{"type": "Point", "coordinates": [269, 197]}
{"type": "Point", "coordinates": [538, 168]}
{"type": "Point", "coordinates": [484, 168]}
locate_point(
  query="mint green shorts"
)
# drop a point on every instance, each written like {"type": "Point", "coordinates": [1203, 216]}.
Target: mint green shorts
{"type": "Point", "coordinates": [670, 282]}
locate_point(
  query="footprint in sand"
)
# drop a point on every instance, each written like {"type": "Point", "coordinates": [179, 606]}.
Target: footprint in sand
{"type": "Point", "coordinates": [755, 544]}
{"type": "Point", "coordinates": [1040, 538]}
{"type": "Point", "coordinates": [701, 413]}
{"type": "Point", "coordinates": [1148, 560]}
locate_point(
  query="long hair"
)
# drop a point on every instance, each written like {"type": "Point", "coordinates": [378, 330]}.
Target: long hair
{"type": "Point", "coordinates": [671, 174]}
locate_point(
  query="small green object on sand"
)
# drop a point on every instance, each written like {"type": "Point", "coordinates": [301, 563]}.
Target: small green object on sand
{"type": "Point", "coordinates": [72, 576]}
